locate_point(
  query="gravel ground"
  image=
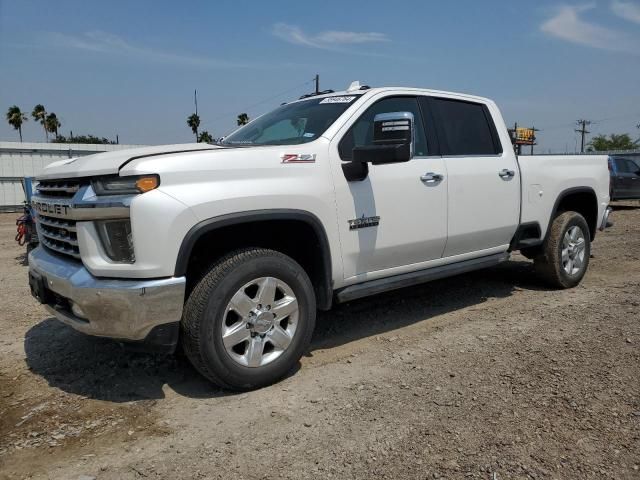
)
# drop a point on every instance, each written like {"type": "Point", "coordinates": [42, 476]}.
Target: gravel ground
{"type": "Point", "coordinates": [488, 375]}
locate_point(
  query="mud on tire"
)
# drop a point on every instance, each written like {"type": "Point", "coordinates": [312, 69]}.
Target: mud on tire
{"type": "Point", "coordinates": [566, 251]}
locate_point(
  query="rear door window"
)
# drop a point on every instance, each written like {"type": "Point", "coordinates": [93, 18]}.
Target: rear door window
{"type": "Point", "coordinates": [633, 167]}
{"type": "Point", "coordinates": [464, 128]}
{"type": "Point", "coordinates": [624, 165]}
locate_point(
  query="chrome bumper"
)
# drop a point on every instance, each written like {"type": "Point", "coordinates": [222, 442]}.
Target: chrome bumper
{"type": "Point", "coordinates": [605, 223]}
{"type": "Point", "coordinates": [123, 309]}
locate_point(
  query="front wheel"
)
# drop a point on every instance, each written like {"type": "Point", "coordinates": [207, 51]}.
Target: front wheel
{"type": "Point", "coordinates": [248, 321]}
{"type": "Point", "coordinates": [566, 251]}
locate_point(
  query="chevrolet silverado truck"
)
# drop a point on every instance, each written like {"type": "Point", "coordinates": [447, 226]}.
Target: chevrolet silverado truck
{"type": "Point", "coordinates": [229, 249]}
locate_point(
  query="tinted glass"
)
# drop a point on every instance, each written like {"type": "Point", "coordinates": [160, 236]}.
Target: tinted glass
{"type": "Point", "coordinates": [292, 124]}
{"type": "Point", "coordinates": [632, 166]}
{"type": "Point", "coordinates": [361, 133]}
{"type": "Point", "coordinates": [463, 128]}
{"type": "Point", "coordinates": [626, 165]}
{"type": "Point", "coordinates": [621, 165]}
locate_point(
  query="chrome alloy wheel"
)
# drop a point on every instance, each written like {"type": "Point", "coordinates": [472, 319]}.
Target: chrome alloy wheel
{"type": "Point", "coordinates": [573, 250]}
{"type": "Point", "coordinates": [260, 322]}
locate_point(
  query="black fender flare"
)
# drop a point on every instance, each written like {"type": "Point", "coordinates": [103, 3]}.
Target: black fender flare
{"type": "Point", "coordinates": [325, 290]}
{"type": "Point", "coordinates": [565, 193]}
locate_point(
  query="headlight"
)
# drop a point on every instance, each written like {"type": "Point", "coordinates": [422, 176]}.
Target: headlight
{"type": "Point", "coordinates": [117, 240]}
{"type": "Point", "coordinates": [125, 185]}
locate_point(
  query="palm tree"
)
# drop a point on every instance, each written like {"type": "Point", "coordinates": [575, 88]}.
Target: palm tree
{"type": "Point", "coordinates": [39, 114]}
{"type": "Point", "coordinates": [243, 119]}
{"type": "Point", "coordinates": [193, 121]}
{"type": "Point", "coordinates": [205, 137]}
{"type": "Point", "coordinates": [16, 118]}
{"type": "Point", "coordinates": [52, 124]}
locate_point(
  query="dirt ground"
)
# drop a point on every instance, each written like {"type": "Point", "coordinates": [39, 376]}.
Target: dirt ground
{"type": "Point", "coordinates": [489, 375]}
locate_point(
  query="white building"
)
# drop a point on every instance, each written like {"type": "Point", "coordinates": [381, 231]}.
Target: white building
{"type": "Point", "coordinates": [19, 160]}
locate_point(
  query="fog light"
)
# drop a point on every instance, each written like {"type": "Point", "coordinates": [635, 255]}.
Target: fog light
{"type": "Point", "coordinates": [77, 311]}
{"type": "Point", "coordinates": [117, 240]}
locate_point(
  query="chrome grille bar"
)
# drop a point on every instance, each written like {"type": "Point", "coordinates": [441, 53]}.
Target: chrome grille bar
{"type": "Point", "coordinates": [58, 188]}
{"type": "Point", "coordinates": [60, 238]}
{"type": "Point", "coordinates": [57, 223]}
{"type": "Point", "coordinates": [60, 247]}
{"type": "Point", "coordinates": [58, 235]}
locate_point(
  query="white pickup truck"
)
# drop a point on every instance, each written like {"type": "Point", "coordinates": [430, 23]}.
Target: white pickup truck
{"type": "Point", "coordinates": [229, 249]}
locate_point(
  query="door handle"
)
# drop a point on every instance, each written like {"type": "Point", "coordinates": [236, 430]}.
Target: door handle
{"type": "Point", "coordinates": [431, 177]}
{"type": "Point", "coordinates": [506, 173]}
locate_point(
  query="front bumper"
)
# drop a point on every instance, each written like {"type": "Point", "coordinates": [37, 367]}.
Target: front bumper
{"type": "Point", "coordinates": [145, 311]}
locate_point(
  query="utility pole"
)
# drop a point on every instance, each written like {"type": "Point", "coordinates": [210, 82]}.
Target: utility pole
{"type": "Point", "coordinates": [317, 80]}
{"type": "Point", "coordinates": [533, 140]}
{"type": "Point", "coordinates": [516, 147]}
{"type": "Point", "coordinates": [582, 131]}
{"type": "Point", "coordinates": [195, 101]}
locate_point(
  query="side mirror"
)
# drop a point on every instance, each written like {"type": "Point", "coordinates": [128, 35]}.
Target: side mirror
{"type": "Point", "coordinates": [393, 140]}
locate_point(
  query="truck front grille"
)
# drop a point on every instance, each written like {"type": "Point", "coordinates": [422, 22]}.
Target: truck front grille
{"type": "Point", "coordinates": [59, 235]}
{"type": "Point", "coordinates": [59, 188]}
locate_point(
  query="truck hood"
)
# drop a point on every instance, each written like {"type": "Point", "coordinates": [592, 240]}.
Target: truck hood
{"type": "Point", "coordinates": [108, 163]}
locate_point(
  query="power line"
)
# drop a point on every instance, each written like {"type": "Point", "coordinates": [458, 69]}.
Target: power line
{"type": "Point", "coordinates": [273, 97]}
{"type": "Point", "coordinates": [595, 122]}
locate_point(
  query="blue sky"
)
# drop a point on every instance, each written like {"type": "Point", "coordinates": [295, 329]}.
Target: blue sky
{"type": "Point", "coordinates": [130, 67]}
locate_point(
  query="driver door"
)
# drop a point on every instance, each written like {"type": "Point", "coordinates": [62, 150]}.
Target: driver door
{"type": "Point", "coordinates": [396, 218]}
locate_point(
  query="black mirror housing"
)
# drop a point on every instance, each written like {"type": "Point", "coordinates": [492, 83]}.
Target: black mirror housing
{"type": "Point", "coordinates": [381, 154]}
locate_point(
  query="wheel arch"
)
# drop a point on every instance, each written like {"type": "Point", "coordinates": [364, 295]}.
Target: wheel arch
{"type": "Point", "coordinates": [309, 225]}
{"type": "Point", "coordinates": [578, 199]}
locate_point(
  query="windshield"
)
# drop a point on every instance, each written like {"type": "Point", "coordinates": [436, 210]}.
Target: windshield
{"type": "Point", "coordinates": [292, 124]}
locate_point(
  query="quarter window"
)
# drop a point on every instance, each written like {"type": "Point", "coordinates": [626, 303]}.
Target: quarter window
{"type": "Point", "coordinates": [626, 165]}
{"type": "Point", "coordinates": [361, 132]}
{"type": "Point", "coordinates": [621, 165]}
{"type": "Point", "coordinates": [464, 128]}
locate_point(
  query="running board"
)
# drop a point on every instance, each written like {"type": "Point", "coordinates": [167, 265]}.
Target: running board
{"type": "Point", "coordinates": [380, 285]}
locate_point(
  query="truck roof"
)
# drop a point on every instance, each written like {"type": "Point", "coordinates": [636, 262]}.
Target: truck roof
{"type": "Point", "coordinates": [411, 90]}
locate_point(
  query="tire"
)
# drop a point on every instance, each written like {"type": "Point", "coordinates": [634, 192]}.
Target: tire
{"type": "Point", "coordinates": [565, 259]}
{"type": "Point", "coordinates": [218, 305]}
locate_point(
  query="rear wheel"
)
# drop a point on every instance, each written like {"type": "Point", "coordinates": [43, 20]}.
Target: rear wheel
{"type": "Point", "coordinates": [248, 321]}
{"type": "Point", "coordinates": [566, 251]}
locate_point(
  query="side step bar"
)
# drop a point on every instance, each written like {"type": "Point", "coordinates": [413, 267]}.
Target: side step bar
{"type": "Point", "coordinates": [380, 285]}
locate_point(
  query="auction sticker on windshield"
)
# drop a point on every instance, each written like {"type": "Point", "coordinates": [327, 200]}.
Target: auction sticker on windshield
{"type": "Point", "coordinates": [337, 100]}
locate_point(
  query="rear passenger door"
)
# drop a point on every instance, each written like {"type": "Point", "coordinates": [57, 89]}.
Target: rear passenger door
{"type": "Point", "coordinates": [483, 179]}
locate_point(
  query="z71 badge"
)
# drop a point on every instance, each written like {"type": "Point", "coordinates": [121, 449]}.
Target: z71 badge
{"type": "Point", "coordinates": [363, 222]}
{"type": "Point", "coordinates": [298, 158]}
